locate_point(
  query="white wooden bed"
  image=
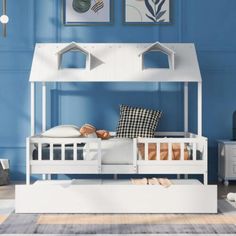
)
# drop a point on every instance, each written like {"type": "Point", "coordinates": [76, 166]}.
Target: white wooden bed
{"type": "Point", "coordinates": [184, 68]}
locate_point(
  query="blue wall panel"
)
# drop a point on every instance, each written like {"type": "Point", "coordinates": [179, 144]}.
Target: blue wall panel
{"type": "Point", "coordinates": [14, 106]}
{"type": "Point", "coordinates": [209, 24]}
{"type": "Point", "coordinates": [20, 27]}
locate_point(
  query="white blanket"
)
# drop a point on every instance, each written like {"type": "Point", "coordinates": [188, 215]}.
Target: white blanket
{"type": "Point", "coordinates": [115, 151]}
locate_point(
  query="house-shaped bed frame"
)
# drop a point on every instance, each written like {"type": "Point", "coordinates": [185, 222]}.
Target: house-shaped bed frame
{"type": "Point", "coordinates": [103, 63]}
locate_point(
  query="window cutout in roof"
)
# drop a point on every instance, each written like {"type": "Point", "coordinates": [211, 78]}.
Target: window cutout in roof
{"type": "Point", "coordinates": [73, 56]}
{"type": "Point", "coordinates": [156, 59]}
{"type": "Point", "coordinates": [157, 56]}
{"type": "Point", "coordinates": [73, 59]}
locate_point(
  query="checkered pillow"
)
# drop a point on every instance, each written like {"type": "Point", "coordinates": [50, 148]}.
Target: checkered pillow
{"type": "Point", "coordinates": [137, 122]}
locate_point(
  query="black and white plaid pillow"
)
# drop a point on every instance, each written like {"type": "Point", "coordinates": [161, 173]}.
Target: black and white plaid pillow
{"type": "Point", "coordinates": [137, 122]}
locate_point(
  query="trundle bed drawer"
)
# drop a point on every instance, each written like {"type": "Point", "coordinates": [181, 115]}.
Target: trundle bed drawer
{"type": "Point", "coordinates": [116, 197]}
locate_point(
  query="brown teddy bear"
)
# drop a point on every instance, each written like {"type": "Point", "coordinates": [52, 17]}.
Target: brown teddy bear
{"type": "Point", "coordinates": [90, 131]}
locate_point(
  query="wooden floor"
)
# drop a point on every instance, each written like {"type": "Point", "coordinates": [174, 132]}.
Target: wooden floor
{"type": "Point", "coordinates": [224, 190]}
{"type": "Point", "coordinates": [3, 218]}
{"type": "Point", "coordinates": [8, 192]}
{"type": "Point", "coordinates": [109, 219]}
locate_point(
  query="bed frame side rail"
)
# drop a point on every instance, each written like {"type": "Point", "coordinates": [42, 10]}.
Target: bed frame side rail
{"type": "Point", "coordinates": [198, 144]}
{"type": "Point", "coordinates": [62, 166]}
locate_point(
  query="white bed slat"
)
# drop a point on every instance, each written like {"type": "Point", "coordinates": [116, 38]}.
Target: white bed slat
{"type": "Point", "coordinates": [87, 147]}
{"type": "Point", "coordinates": [194, 151]}
{"type": "Point", "coordinates": [182, 151]}
{"type": "Point", "coordinates": [135, 152]}
{"type": "Point", "coordinates": [63, 152]}
{"type": "Point", "coordinates": [146, 151]}
{"type": "Point", "coordinates": [40, 151]}
{"type": "Point", "coordinates": [51, 152]}
{"type": "Point", "coordinates": [99, 144]}
{"type": "Point", "coordinates": [75, 151]}
{"type": "Point", "coordinates": [158, 152]}
{"type": "Point", "coordinates": [169, 151]}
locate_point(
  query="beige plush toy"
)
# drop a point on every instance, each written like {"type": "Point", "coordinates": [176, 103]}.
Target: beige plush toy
{"type": "Point", "coordinates": [90, 131]}
{"type": "Point", "coordinates": [103, 134]}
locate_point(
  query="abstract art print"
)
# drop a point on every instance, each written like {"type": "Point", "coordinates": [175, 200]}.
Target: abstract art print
{"type": "Point", "coordinates": [87, 12]}
{"type": "Point", "coordinates": [147, 11]}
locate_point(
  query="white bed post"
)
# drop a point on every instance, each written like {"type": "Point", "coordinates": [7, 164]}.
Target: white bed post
{"type": "Point", "coordinates": [186, 107]}
{"type": "Point", "coordinates": [44, 113]}
{"type": "Point", "coordinates": [44, 106]}
{"type": "Point", "coordinates": [32, 130]}
{"type": "Point", "coordinates": [27, 161]}
{"type": "Point", "coordinates": [185, 113]}
{"type": "Point", "coordinates": [32, 108]}
{"type": "Point", "coordinates": [199, 125]}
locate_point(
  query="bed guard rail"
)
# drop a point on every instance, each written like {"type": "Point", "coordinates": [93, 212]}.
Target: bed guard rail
{"type": "Point", "coordinates": [177, 154]}
{"type": "Point", "coordinates": [196, 146]}
{"type": "Point", "coordinates": [39, 164]}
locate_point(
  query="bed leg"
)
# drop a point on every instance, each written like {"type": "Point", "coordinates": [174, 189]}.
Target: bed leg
{"type": "Point", "coordinates": [49, 176]}
{"type": "Point", "coordinates": [205, 178]}
{"type": "Point", "coordinates": [186, 176]}
{"type": "Point", "coordinates": [27, 161]}
{"type": "Point", "coordinates": [178, 176]}
{"type": "Point", "coordinates": [44, 177]}
{"type": "Point", "coordinates": [115, 176]}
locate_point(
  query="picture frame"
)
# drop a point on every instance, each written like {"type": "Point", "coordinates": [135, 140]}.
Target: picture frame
{"type": "Point", "coordinates": [147, 12]}
{"type": "Point", "coordinates": [87, 12]}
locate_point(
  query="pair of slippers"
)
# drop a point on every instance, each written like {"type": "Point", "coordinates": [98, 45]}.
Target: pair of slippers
{"type": "Point", "coordinates": [152, 181]}
{"type": "Point", "coordinates": [231, 197]}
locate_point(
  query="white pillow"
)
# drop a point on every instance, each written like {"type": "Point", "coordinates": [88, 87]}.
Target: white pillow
{"type": "Point", "coordinates": [62, 131]}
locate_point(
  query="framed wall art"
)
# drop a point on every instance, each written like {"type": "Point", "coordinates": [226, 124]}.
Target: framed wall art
{"type": "Point", "coordinates": [146, 11]}
{"type": "Point", "coordinates": [87, 12]}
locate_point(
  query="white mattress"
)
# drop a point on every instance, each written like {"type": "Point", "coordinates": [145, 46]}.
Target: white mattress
{"type": "Point", "coordinates": [115, 151]}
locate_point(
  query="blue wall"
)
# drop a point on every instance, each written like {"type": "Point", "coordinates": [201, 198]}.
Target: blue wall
{"type": "Point", "coordinates": [209, 24]}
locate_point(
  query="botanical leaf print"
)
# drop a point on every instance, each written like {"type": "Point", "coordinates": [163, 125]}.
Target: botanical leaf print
{"type": "Point", "coordinates": [151, 18]}
{"type": "Point", "coordinates": [155, 10]}
{"type": "Point", "coordinates": [149, 7]}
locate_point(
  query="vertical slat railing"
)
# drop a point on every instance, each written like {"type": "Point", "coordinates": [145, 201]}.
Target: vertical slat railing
{"type": "Point", "coordinates": [146, 151]}
{"type": "Point", "coordinates": [169, 151]}
{"type": "Point", "coordinates": [99, 156]}
{"type": "Point", "coordinates": [63, 152]}
{"type": "Point", "coordinates": [158, 152]}
{"type": "Point", "coordinates": [75, 151]}
{"type": "Point", "coordinates": [51, 152]}
{"type": "Point", "coordinates": [194, 151]}
{"type": "Point", "coordinates": [87, 150]}
{"type": "Point", "coordinates": [40, 151]}
{"type": "Point", "coordinates": [135, 153]}
{"type": "Point", "coordinates": [182, 151]}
